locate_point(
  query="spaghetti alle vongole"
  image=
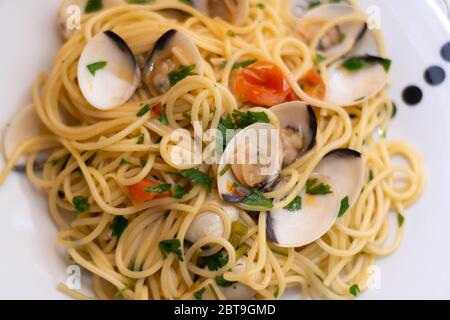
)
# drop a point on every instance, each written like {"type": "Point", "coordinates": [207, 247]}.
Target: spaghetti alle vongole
{"type": "Point", "coordinates": [99, 139]}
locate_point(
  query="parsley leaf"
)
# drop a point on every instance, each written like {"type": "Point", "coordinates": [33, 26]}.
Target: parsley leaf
{"type": "Point", "coordinates": [177, 76]}
{"type": "Point", "coordinates": [295, 204]}
{"type": "Point", "coordinates": [243, 64]}
{"type": "Point", "coordinates": [344, 207]}
{"type": "Point", "coordinates": [96, 66]}
{"type": "Point", "coordinates": [81, 204]}
{"type": "Point", "coordinates": [93, 5]}
{"type": "Point", "coordinates": [319, 58]}
{"type": "Point", "coordinates": [140, 1]}
{"type": "Point", "coordinates": [171, 246]}
{"type": "Point", "coordinates": [140, 139]}
{"type": "Point", "coordinates": [220, 280]}
{"type": "Point", "coordinates": [354, 64]}
{"type": "Point", "coordinates": [118, 226]}
{"type": "Point", "coordinates": [214, 262]}
{"type": "Point", "coordinates": [179, 192]}
{"type": "Point", "coordinates": [198, 294]}
{"type": "Point", "coordinates": [160, 188]}
{"type": "Point", "coordinates": [400, 219]}
{"type": "Point", "coordinates": [143, 110]}
{"type": "Point", "coordinates": [354, 290]}
{"type": "Point", "coordinates": [261, 5]}
{"type": "Point", "coordinates": [276, 293]}
{"type": "Point", "coordinates": [197, 177]}
{"type": "Point", "coordinates": [163, 116]}
{"type": "Point", "coordinates": [256, 198]}
{"type": "Point", "coordinates": [245, 119]}
{"type": "Point", "coordinates": [315, 189]}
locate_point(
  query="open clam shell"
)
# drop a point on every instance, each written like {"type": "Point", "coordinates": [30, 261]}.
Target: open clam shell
{"type": "Point", "coordinates": [171, 52]}
{"type": "Point", "coordinates": [232, 11]}
{"type": "Point", "coordinates": [298, 125]}
{"type": "Point", "coordinates": [108, 73]}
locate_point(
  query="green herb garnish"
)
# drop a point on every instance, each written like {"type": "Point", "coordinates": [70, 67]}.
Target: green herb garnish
{"type": "Point", "coordinates": [143, 110]}
{"type": "Point", "coordinates": [245, 119]}
{"type": "Point", "coordinates": [81, 204]}
{"type": "Point", "coordinates": [295, 204]}
{"type": "Point", "coordinates": [214, 262]}
{"type": "Point", "coordinates": [315, 189]}
{"type": "Point", "coordinates": [177, 76]}
{"type": "Point", "coordinates": [94, 67]}
{"type": "Point", "coordinates": [93, 5]}
{"type": "Point", "coordinates": [179, 192]}
{"type": "Point", "coordinates": [171, 246]}
{"type": "Point", "coordinates": [344, 207]}
{"type": "Point", "coordinates": [198, 294]}
{"type": "Point", "coordinates": [140, 139]}
{"type": "Point", "coordinates": [243, 64]}
{"type": "Point", "coordinates": [118, 225]}
{"type": "Point", "coordinates": [400, 219]}
{"type": "Point", "coordinates": [256, 198]}
{"type": "Point", "coordinates": [221, 282]}
{"type": "Point", "coordinates": [354, 290]}
{"type": "Point", "coordinates": [197, 177]}
{"type": "Point", "coordinates": [163, 117]}
{"type": "Point", "coordinates": [160, 188]}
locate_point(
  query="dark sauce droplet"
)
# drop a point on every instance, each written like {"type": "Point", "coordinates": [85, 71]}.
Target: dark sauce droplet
{"type": "Point", "coordinates": [445, 52]}
{"type": "Point", "coordinates": [434, 75]}
{"type": "Point", "coordinates": [412, 95]}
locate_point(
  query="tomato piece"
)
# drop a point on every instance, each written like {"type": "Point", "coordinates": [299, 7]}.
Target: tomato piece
{"type": "Point", "coordinates": [313, 85]}
{"type": "Point", "coordinates": [138, 195]}
{"type": "Point", "coordinates": [157, 108]}
{"type": "Point", "coordinates": [261, 84]}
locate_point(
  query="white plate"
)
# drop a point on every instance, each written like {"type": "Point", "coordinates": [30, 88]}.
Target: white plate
{"type": "Point", "coordinates": [415, 30]}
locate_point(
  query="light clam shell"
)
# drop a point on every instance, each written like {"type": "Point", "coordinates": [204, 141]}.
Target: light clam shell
{"type": "Point", "coordinates": [115, 84]}
{"type": "Point", "coordinates": [242, 9]}
{"type": "Point", "coordinates": [298, 228]}
{"type": "Point", "coordinates": [352, 30]}
{"type": "Point", "coordinates": [24, 126]}
{"type": "Point", "coordinates": [343, 170]}
{"type": "Point", "coordinates": [162, 49]}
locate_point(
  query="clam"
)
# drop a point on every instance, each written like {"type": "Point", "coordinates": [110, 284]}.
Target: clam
{"type": "Point", "coordinates": [342, 172]}
{"type": "Point", "coordinates": [345, 167]}
{"type": "Point", "coordinates": [298, 129]}
{"type": "Point", "coordinates": [232, 11]}
{"type": "Point", "coordinates": [316, 216]}
{"type": "Point", "coordinates": [210, 223]}
{"type": "Point", "coordinates": [239, 291]}
{"type": "Point", "coordinates": [71, 11]}
{"type": "Point", "coordinates": [108, 73]}
{"type": "Point", "coordinates": [172, 52]}
{"type": "Point", "coordinates": [24, 126]}
{"type": "Point", "coordinates": [356, 79]}
{"type": "Point", "coordinates": [252, 160]}
{"type": "Point", "coordinates": [340, 37]}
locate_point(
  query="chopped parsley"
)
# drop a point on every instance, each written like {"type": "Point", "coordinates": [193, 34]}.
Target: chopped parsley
{"type": "Point", "coordinates": [344, 207]}
{"type": "Point", "coordinates": [231, 33]}
{"type": "Point", "coordinates": [123, 162]}
{"type": "Point", "coordinates": [163, 116]}
{"type": "Point", "coordinates": [354, 290]}
{"type": "Point", "coordinates": [177, 76]}
{"type": "Point", "coordinates": [243, 64]}
{"type": "Point", "coordinates": [197, 177]}
{"type": "Point", "coordinates": [354, 64]}
{"type": "Point", "coordinates": [118, 226]}
{"type": "Point", "coordinates": [276, 293]}
{"type": "Point", "coordinates": [160, 188]}
{"type": "Point", "coordinates": [214, 262]}
{"type": "Point", "coordinates": [178, 192]}
{"type": "Point", "coordinates": [96, 66]}
{"type": "Point", "coordinates": [313, 188]}
{"type": "Point", "coordinates": [143, 162]}
{"type": "Point", "coordinates": [221, 282]}
{"type": "Point", "coordinates": [225, 169]}
{"type": "Point", "coordinates": [143, 110]}
{"type": "Point", "coordinates": [319, 58]}
{"type": "Point", "coordinates": [198, 294]}
{"type": "Point", "coordinates": [371, 176]}
{"type": "Point", "coordinates": [121, 291]}
{"type": "Point", "coordinates": [171, 246]}
{"type": "Point", "coordinates": [140, 1]}
{"type": "Point", "coordinates": [140, 139]}
{"type": "Point", "coordinates": [81, 204]}
{"type": "Point", "coordinates": [245, 119]}
{"type": "Point", "coordinates": [400, 219]}
{"type": "Point", "coordinates": [256, 198]}
{"type": "Point", "coordinates": [93, 5]}
{"type": "Point", "coordinates": [55, 161]}
{"type": "Point", "coordinates": [295, 204]}
{"type": "Point", "coordinates": [261, 5]}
